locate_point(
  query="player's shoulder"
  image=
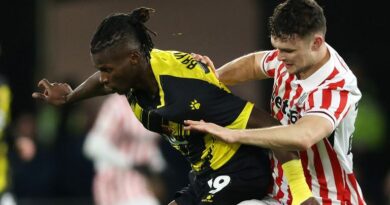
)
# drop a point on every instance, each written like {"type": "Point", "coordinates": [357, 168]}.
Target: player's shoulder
{"type": "Point", "coordinates": [341, 68]}
{"type": "Point", "coordinates": [338, 74]}
{"type": "Point", "coordinates": [164, 58]}
{"type": "Point", "coordinates": [338, 62]}
{"type": "Point", "coordinates": [174, 63]}
{"type": "Point", "coordinates": [168, 54]}
{"type": "Point", "coordinates": [269, 55]}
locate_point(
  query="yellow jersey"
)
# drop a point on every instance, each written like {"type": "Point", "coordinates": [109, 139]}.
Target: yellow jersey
{"type": "Point", "coordinates": [189, 90]}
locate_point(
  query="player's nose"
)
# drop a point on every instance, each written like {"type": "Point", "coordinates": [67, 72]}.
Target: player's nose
{"type": "Point", "coordinates": [103, 78]}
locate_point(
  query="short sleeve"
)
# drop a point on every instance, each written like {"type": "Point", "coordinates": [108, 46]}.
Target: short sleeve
{"type": "Point", "coordinates": [331, 103]}
{"type": "Point", "coordinates": [270, 63]}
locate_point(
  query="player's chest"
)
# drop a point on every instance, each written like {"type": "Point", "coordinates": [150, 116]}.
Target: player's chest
{"type": "Point", "coordinates": [288, 101]}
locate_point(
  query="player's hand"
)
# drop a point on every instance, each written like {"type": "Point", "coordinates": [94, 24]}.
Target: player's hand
{"type": "Point", "coordinates": [222, 133]}
{"type": "Point", "coordinates": [310, 201]}
{"type": "Point", "coordinates": [52, 93]}
{"type": "Point", "coordinates": [205, 60]}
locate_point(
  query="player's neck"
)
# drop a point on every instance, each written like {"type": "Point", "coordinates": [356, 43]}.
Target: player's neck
{"type": "Point", "coordinates": [323, 57]}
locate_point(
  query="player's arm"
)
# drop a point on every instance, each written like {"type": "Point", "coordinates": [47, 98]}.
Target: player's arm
{"type": "Point", "coordinates": [290, 161]}
{"type": "Point", "coordinates": [91, 87]}
{"type": "Point", "coordinates": [62, 93]}
{"type": "Point", "coordinates": [307, 131]}
{"type": "Point", "coordinates": [242, 69]}
{"type": "Point", "coordinates": [259, 119]}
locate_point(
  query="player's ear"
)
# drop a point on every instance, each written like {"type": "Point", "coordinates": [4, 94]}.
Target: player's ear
{"type": "Point", "coordinates": [134, 57]}
{"type": "Point", "coordinates": [318, 42]}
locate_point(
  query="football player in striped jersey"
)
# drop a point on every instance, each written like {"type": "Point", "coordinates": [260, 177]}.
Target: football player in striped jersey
{"type": "Point", "coordinates": [315, 98]}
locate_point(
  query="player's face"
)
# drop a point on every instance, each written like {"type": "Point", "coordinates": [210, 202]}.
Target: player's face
{"type": "Point", "coordinates": [118, 68]}
{"type": "Point", "coordinates": [296, 53]}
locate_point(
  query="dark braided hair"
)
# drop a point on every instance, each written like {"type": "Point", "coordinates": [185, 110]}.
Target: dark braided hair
{"type": "Point", "coordinates": [297, 17]}
{"type": "Point", "coordinates": [124, 28]}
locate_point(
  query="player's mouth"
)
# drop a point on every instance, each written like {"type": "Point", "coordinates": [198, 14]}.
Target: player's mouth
{"type": "Point", "coordinates": [288, 65]}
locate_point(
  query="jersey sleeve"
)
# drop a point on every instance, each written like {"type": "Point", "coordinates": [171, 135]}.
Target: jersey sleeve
{"type": "Point", "coordinates": [331, 102]}
{"type": "Point", "coordinates": [270, 63]}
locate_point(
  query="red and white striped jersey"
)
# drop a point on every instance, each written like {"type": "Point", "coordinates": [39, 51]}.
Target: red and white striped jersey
{"type": "Point", "coordinates": [331, 92]}
{"type": "Point", "coordinates": [116, 143]}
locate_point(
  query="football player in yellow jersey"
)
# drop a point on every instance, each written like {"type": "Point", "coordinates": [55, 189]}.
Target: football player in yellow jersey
{"type": "Point", "coordinates": [167, 87]}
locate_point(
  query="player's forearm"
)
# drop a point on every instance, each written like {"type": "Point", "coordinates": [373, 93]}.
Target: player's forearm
{"type": "Point", "coordinates": [265, 131]}
{"type": "Point", "coordinates": [259, 119]}
{"type": "Point", "coordinates": [91, 87]}
{"type": "Point", "coordinates": [289, 159]}
{"type": "Point", "coordinates": [306, 132]}
{"type": "Point", "coordinates": [276, 137]}
{"type": "Point", "coordinates": [242, 69]}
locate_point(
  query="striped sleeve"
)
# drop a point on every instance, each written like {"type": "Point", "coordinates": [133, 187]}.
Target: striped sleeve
{"type": "Point", "coordinates": [329, 102]}
{"type": "Point", "coordinates": [270, 63]}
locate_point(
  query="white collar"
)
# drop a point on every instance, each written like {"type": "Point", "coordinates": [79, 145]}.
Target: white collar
{"type": "Point", "coordinates": [320, 75]}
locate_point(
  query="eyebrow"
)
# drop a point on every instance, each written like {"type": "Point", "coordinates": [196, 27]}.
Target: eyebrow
{"type": "Point", "coordinates": [283, 49]}
{"type": "Point", "coordinates": [286, 49]}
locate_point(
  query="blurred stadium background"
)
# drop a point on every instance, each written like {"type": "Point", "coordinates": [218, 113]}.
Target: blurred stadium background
{"type": "Point", "coordinates": [50, 38]}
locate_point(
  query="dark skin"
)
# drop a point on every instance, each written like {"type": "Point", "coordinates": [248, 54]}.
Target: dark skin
{"type": "Point", "coordinates": [121, 68]}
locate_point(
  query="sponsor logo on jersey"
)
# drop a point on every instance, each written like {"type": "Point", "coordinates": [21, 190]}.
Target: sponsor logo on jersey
{"type": "Point", "coordinates": [282, 105]}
